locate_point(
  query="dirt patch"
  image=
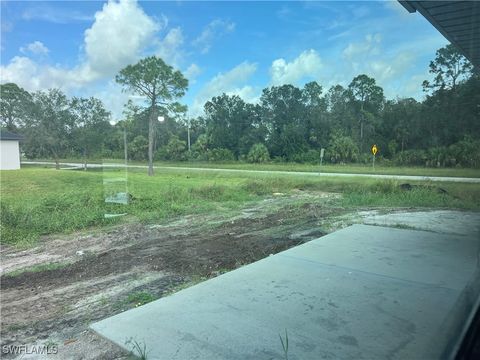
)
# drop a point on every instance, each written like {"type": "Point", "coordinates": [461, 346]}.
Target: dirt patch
{"type": "Point", "coordinates": [107, 266]}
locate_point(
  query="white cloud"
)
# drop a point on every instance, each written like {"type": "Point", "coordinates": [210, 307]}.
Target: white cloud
{"type": "Point", "coordinates": [33, 76]}
{"type": "Point", "coordinates": [413, 86]}
{"type": "Point", "coordinates": [112, 42]}
{"type": "Point", "coordinates": [114, 99]}
{"type": "Point", "coordinates": [370, 46]}
{"type": "Point", "coordinates": [247, 93]}
{"type": "Point", "coordinates": [359, 11]}
{"type": "Point", "coordinates": [386, 69]}
{"type": "Point", "coordinates": [212, 31]}
{"type": "Point", "coordinates": [307, 64]}
{"type": "Point", "coordinates": [169, 49]}
{"type": "Point", "coordinates": [54, 14]}
{"type": "Point", "coordinates": [192, 72]}
{"type": "Point", "coordinates": [36, 48]}
{"type": "Point", "coordinates": [232, 82]}
{"type": "Point", "coordinates": [120, 32]}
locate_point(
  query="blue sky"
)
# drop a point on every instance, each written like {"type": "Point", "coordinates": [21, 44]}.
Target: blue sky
{"type": "Point", "coordinates": [232, 47]}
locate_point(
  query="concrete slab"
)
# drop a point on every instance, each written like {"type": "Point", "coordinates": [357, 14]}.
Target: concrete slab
{"type": "Point", "coordinates": [361, 292]}
{"type": "Point", "coordinates": [439, 221]}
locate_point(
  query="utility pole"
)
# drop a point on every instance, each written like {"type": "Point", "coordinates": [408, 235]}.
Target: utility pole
{"type": "Point", "coordinates": [125, 144]}
{"type": "Point", "coordinates": [322, 152]}
{"type": "Point", "coordinates": [188, 134]}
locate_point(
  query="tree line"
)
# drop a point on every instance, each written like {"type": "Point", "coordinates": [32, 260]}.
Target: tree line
{"type": "Point", "coordinates": [288, 123]}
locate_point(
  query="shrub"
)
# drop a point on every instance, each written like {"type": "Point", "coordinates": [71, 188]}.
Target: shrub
{"type": "Point", "coordinates": [220, 154]}
{"type": "Point", "coordinates": [176, 149]}
{"type": "Point", "coordinates": [411, 157]}
{"type": "Point", "coordinates": [366, 158]}
{"type": "Point", "coordinates": [312, 156]}
{"type": "Point", "coordinates": [138, 148]}
{"type": "Point", "coordinates": [279, 159]}
{"type": "Point", "coordinates": [258, 154]}
{"type": "Point", "coordinates": [342, 149]}
{"type": "Point", "coordinates": [466, 152]}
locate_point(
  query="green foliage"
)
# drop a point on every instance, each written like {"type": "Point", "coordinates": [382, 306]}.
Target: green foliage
{"type": "Point", "coordinates": [416, 157]}
{"type": "Point", "coordinates": [293, 123]}
{"type": "Point", "coordinates": [258, 154]}
{"type": "Point", "coordinates": [140, 298]}
{"type": "Point", "coordinates": [48, 126]}
{"type": "Point", "coordinates": [92, 125]}
{"type": "Point", "coordinates": [15, 104]}
{"type": "Point", "coordinates": [220, 154]}
{"type": "Point", "coordinates": [449, 67]}
{"type": "Point", "coordinates": [138, 349]}
{"type": "Point", "coordinates": [38, 268]}
{"type": "Point", "coordinates": [233, 124]}
{"type": "Point", "coordinates": [466, 152]}
{"type": "Point", "coordinates": [392, 147]}
{"type": "Point", "coordinates": [161, 85]}
{"type": "Point", "coordinates": [43, 201]}
{"type": "Point", "coordinates": [311, 156]}
{"type": "Point", "coordinates": [138, 148]}
{"type": "Point", "coordinates": [201, 145]}
{"type": "Point", "coordinates": [176, 149]}
{"type": "Point", "coordinates": [153, 78]}
{"type": "Point", "coordinates": [342, 149]}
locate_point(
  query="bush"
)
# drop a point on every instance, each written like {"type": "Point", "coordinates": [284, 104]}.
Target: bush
{"type": "Point", "coordinates": [138, 148]}
{"type": "Point", "coordinates": [436, 156]}
{"type": "Point", "coordinates": [415, 157]}
{"type": "Point", "coordinates": [466, 152]}
{"type": "Point", "coordinates": [342, 149]}
{"type": "Point", "coordinates": [176, 149]}
{"type": "Point", "coordinates": [279, 159]}
{"type": "Point", "coordinates": [366, 158]}
{"type": "Point", "coordinates": [220, 154]}
{"type": "Point", "coordinates": [201, 145]}
{"type": "Point", "coordinates": [258, 154]}
{"type": "Point", "coordinates": [310, 156]}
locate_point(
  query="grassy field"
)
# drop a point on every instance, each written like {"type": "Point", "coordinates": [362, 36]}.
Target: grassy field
{"type": "Point", "coordinates": [39, 201]}
{"type": "Point", "coordinates": [348, 168]}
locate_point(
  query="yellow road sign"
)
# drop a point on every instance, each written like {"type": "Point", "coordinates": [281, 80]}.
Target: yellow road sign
{"type": "Point", "coordinates": [374, 150]}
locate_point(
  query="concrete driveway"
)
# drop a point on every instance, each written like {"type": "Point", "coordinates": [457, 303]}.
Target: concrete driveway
{"type": "Point", "coordinates": [364, 292]}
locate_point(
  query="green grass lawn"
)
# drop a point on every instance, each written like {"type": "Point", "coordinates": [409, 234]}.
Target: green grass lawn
{"type": "Point", "coordinates": [348, 168]}
{"type": "Point", "coordinates": [39, 201]}
{"type": "Point", "coordinates": [328, 168]}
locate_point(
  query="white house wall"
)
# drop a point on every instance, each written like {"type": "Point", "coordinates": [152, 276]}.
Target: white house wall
{"type": "Point", "coordinates": [9, 155]}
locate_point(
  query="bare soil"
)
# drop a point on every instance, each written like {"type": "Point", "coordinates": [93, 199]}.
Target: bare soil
{"type": "Point", "coordinates": [105, 266]}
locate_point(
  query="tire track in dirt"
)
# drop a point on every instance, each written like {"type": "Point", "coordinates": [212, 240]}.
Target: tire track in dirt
{"type": "Point", "coordinates": [59, 304]}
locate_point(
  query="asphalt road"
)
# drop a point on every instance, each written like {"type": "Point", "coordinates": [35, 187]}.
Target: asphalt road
{"type": "Point", "coordinates": [71, 166]}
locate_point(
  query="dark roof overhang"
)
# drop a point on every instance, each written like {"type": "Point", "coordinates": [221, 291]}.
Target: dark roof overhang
{"type": "Point", "coordinates": [7, 135]}
{"type": "Point", "coordinates": [458, 21]}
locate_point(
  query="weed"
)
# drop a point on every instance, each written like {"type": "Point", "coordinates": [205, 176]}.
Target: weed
{"type": "Point", "coordinates": [103, 300]}
{"type": "Point", "coordinates": [140, 298]}
{"type": "Point", "coordinates": [139, 350]}
{"type": "Point", "coordinates": [194, 280]}
{"type": "Point", "coordinates": [284, 344]}
{"type": "Point", "coordinates": [15, 327]}
{"type": "Point", "coordinates": [36, 201]}
{"type": "Point", "coordinates": [50, 344]}
{"type": "Point", "coordinates": [38, 268]}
